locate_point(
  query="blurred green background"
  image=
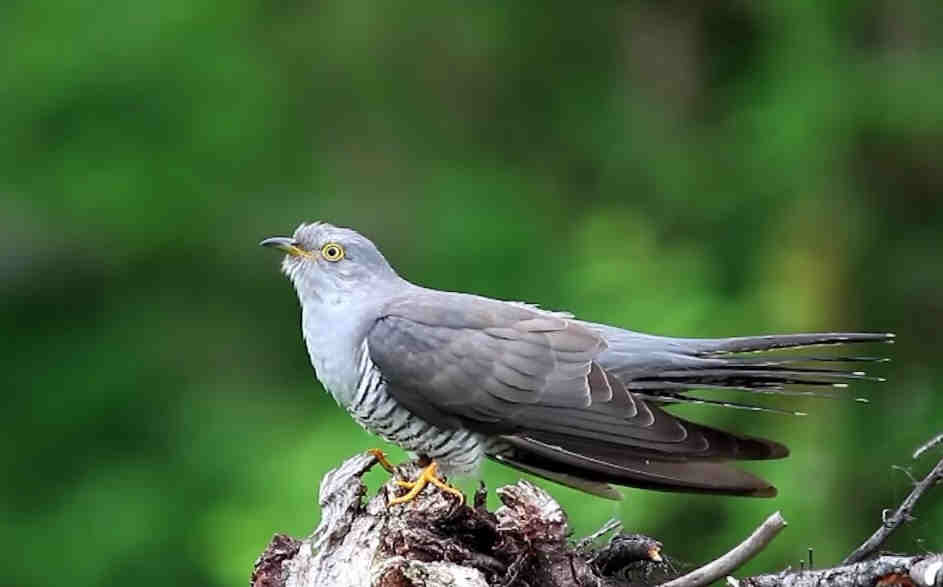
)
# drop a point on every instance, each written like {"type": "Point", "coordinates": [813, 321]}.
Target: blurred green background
{"type": "Point", "coordinates": [702, 170]}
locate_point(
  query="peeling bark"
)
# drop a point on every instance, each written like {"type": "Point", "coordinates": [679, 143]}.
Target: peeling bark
{"type": "Point", "coordinates": [433, 541]}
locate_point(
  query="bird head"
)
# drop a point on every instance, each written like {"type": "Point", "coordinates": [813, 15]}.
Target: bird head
{"type": "Point", "coordinates": [329, 264]}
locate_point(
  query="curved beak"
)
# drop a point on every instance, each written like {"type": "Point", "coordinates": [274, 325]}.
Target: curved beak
{"type": "Point", "coordinates": [284, 243]}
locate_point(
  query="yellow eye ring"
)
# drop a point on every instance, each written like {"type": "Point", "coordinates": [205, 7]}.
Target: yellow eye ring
{"type": "Point", "coordinates": [332, 252]}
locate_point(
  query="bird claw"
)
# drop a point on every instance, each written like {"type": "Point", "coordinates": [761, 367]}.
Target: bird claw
{"type": "Point", "coordinates": [428, 475]}
{"type": "Point", "coordinates": [380, 456]}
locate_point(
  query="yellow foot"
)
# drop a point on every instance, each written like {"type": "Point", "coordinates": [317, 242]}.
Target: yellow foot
{"type": "Point", "coordinates": [380, 456]}
{"type": "Point", "coordinates": [428, 475]}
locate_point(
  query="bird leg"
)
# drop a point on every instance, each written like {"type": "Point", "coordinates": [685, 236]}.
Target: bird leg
{"type": "Point", "coordinates": [430, 474]}
{"type": "Point", "coordinates": [380, 456]}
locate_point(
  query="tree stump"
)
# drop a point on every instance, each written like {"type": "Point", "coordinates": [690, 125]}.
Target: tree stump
{"type": "Point", "coordinates": [433, 541]}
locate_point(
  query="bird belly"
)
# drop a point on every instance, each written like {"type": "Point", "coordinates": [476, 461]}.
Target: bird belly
{"type": "Point", "coordinates": [457, 451]}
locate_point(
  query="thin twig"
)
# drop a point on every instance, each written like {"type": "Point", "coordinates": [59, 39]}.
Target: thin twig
{"type": "Point", "coordinates": [729, 562]}
{"type": "Point", "coordinates": [900, 515]}
{"type": "Point", "coordinates": [938, 439]}
{"type": "Point", "coordinates": [606, 528]}
{"type": "Point", "coordinates": [906, 471]}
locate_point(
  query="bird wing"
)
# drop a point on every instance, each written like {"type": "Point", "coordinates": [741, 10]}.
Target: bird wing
{"type": "Point", "coordinates": [533, 378]}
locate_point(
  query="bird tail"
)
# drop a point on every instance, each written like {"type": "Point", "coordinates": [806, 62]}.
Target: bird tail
{"type": "Point", "coordinates": [748, 344]}
{"type": "Point", "coordinates": [663, 369]}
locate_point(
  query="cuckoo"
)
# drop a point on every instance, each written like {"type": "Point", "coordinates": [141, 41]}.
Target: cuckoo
{"type": "Point", "coordinates": [455, 378]}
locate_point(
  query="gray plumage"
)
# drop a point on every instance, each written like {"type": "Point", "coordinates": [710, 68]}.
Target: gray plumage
{"type": "Point", "coordinates": [458, 377]}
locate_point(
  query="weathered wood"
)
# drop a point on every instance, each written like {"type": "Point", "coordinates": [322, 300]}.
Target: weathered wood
{"type": "Point", "coordinates": [735, 558]}
{"type": "Point", "coordinates": [435, 542]}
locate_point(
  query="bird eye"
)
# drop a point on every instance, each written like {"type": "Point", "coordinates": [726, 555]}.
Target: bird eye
{"type": "Point", "coordinates": [332, 252]}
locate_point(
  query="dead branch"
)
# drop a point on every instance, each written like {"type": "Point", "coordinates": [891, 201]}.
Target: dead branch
{"type": "Point", "coordinates": [884, 571]}
{"type": "Point", "coordinates": [903, 512]}
{"type": "Point", "coordinates": [935, 441]}
{"type": "Point", "coordinates": [733, 560]}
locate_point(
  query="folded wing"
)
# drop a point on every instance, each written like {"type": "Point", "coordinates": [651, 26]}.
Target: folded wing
{"type": "Point", "coordinates": [534, 382]}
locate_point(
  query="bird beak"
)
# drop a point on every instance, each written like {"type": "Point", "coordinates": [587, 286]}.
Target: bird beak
{"type": "Point", "coordinates": [284, 243]}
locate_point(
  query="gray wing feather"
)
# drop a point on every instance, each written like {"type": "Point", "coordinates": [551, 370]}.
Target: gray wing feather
{"type": "Point", "coordinates": [553, 462]}
{"type": "Point", "coordinates": [496, 354]}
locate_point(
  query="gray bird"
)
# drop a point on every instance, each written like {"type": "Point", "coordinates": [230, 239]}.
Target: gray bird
{"type": "Point", "coordinates": [454, 378]}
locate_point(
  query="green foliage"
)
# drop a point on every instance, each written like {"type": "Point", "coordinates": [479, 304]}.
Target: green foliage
{"type": "Point", "coordinates": [701, 171]}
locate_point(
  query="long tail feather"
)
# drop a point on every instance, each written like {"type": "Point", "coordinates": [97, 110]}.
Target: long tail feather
{"type": "Point", "coordinates": [748, 344]}
{"type": "Point", "coordinates": [664, 369]}
{"type": "Point", "coordinates": [653, 389]}
{"type": "Point", "coordinates": [735, 375]}
{"type": "Point", "coordinates": [798, 359]}
{"type": "Point", "coordinates": [673, 398]}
